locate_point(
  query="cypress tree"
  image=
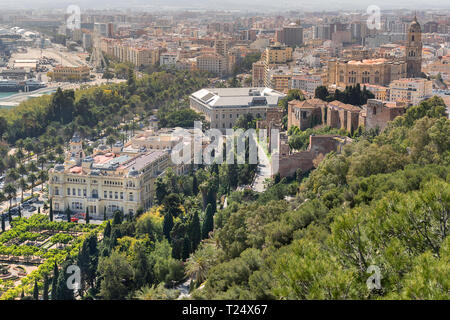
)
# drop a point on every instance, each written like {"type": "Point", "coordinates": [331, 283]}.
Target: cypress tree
{"type": "Point", "coordinates": [54, 281]}
{"type": "Point", "coordinates": [62, 292]}
{"type": "Point", "coordinates": [45, 290]}
{"type": "Point", "coordinates": [87, 215]}
{"type": "Point", "coordinates": [208, 224]}
{"type": "Point", "coordinates": [51, 210]}
{"type": "Point", "coordinates": [3, 224]}
{"type": "Point", "coordinates": [194, 185]}
{"type": "Point", "coordinates": [36, 290]}
{"type": "Point", "coordinates": [168, 225]}
{"type": "Point", "coordinates": [22, 295]}
{"type": "Point", "coordinates": [195, 231]}
{"type": "Point", "coordinates": [39, 209]}
{"type": "Point", "coordinates": [20, 213]}
{"type": "Point", "coordinates": [104, 215]}
{"type": "Point", "coordinates": [186, 248]}
{"type": "Point", "coordinates": [107, 232]}
{"type": "Point", "coordinates": [118, 217]}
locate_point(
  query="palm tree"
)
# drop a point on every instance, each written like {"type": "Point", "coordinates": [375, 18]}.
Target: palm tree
{"type": "Point", "coordinates": [199, 263]}
{"type": "Point", "coordinates": [43, 176]}
{"type": "Point", "coordinates": [12, 175]}
{"type": "Point", "coordinates": [23, 186]}
{"type": "Point", "coordinates": [32, 179]}
{"type": "Point", "coordinates": [42, 160]}
{"type": "Point", "coordinates": [110, 140]}
{"type": "Point", "coordinates": [22, 170]}
{"type": "Point", "coordinates": [32, 166]}
{"type": "Point", "coordinates": [50, 156]}
{"type": "Point", "coordinates": [11, 191]}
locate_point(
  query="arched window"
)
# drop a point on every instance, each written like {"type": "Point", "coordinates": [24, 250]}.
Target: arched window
{"type": "Point", "coordinates": [374, 110]}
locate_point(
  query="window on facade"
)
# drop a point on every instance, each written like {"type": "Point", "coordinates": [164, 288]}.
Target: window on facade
{"type": "Point", "coordinates": [131, 198]}
{"type": "Point", "coordinates": [105, 194]}
{"type": "Point", "coordinates": [56, 191]}
{"type": "Point", "coordinates": [68, 191]}
{"type": "Point", "coordinates": [121, 195]}
{"type": "Point", "coordinates": [94, 193]}
{"type": "Point", "coordinates": [110, 195]}
{"type": "Point", "coordinates": [374, 110]}
{"type": "Point", "coordinates": [116, 195]}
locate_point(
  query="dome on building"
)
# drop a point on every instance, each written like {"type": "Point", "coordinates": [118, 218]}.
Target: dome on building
{"type": "Point", "coordinates": [76, 138]}
{"type": "Point", "coordinates": [133, 172]}
{"type": "Point", "coordinates": [59, 168]}
{"type": "Point", "coordinates": [415, 26]}
{"type": "Point", "coordinates": [95, 172]}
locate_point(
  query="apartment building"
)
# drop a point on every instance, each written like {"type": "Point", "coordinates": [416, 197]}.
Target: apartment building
{"type": "Point", "coordinates": [410, 90]}
{"type": "Point", "coordinates": [306, 83]}
{"type": "Point", "coordinates": [214, 63]}
{"type": "Point", "coordinates": [291, 35]}
{"type": "Point", "coordinates": [223, 106]}
{"type": "Point", "coordinates": [61, 73]}
{"type": "Point", "coordinates": [258, 72]}
{"type": "Point", "coordinates": [380, 92]}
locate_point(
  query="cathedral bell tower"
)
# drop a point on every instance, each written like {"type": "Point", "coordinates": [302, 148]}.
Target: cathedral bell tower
{"type": "Point", "coordinates": [414, 50]}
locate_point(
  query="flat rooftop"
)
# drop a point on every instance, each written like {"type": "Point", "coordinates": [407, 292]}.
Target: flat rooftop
{"type": "Point", "coordinates": [238, 97]}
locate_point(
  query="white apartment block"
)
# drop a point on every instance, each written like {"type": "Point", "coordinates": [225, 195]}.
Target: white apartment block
{"type": "Point", "coordinates": [306, 83]}
{"type": "Point", "coordinates": [410, 90]}
{"type": "Point", "coordinates": [223, 106]}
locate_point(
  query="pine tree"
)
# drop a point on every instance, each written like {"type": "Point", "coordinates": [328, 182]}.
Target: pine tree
{"type": "Point", "coordinates": [51, 210]}
{"type": "Point", "coordinates": [45, 290]}
{"type": "Point", "coordinates": [168, 225]}
{"type": "Point", "coordinates": [20, 213]}
{"type": "Point", "coordinates": [208, 223]}
{"type": "Point", "coordinates": [36, 290]}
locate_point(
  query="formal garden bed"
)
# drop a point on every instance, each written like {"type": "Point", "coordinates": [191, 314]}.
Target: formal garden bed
{"type": "Point", "coordinates": [38, 242]}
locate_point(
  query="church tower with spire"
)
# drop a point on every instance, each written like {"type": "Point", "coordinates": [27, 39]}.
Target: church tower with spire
{"type": "Point", "coordinates": [414, 50]}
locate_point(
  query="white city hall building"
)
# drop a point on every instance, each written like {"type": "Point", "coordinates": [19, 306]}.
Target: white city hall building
{"type": "Point", "coordinates": [106, 181]}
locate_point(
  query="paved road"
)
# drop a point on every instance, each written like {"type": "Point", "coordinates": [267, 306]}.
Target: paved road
{"type": "Point", "coordinates": [263, 172]}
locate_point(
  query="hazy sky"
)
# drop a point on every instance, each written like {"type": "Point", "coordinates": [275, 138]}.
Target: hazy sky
{"type": "Point", "coordinates": [249, 5]}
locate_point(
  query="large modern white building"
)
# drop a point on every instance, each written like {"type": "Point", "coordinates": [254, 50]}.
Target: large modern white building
{"type": "Point", "coordinates": [223, 106]}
